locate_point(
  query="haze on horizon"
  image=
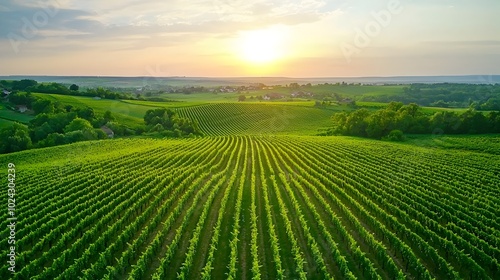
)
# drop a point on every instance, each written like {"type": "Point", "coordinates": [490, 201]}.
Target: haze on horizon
{"type": "Point", "coordinates": [235, 38]}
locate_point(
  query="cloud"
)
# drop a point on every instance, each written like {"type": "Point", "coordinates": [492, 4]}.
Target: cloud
{"type": "Point", "coordinates": [28, 20]}
{"type": "Point", "coordinates": [130, 23]}
{"type": "Point", "coordinates": [467, 43]}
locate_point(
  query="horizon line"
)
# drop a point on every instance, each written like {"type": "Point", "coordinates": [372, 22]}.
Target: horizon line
{"type": "Point", "coordinates": [248, 77]}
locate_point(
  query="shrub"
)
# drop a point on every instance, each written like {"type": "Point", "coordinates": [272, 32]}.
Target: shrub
{"type": "Point", "coordinates": [395, 135]}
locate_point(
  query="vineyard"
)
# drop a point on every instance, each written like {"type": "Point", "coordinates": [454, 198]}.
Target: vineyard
{"type": "Point", "coordinates": [266, 118]}
{"type": "Point", "coordinates": [255, 207]}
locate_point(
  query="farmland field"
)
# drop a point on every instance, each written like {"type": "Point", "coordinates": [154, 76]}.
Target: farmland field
{"type": "Point", "coordinates": [128, 113]}
{"type": "Point", "coordinates": [258, 197]}
{"type": "Point", "coordinates": [5, 123]}
{"type": "Point", "coordinates": [260, 207]}
{"type": "Point", "coordinates": [218, 118]}
{"type": "Point", "coordinates": [8, 116]}
{"type": "Point", "coordinates": [257, 119]}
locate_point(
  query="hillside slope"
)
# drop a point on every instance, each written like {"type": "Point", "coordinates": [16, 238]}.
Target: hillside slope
{"type": "Point", "coordinates": [274, 206]}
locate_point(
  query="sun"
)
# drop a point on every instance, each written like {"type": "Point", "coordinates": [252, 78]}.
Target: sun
{"type": "Point", "coordinates": [262, 46]}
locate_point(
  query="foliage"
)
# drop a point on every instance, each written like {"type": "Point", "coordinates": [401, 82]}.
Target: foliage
{"type": "Point", "coordinates": [50, 88]}
{"type": "Point", "coordinates": [410, 119]}
{"type": "Point", "coordinates": [77, 124]}
{"type": "Point", "coordinates": [14, 138]}
{"type": "Point", "coordinates": [23, 85]}
{"type": "Point", "coordinates": [22, 98]}
{"type": "Point", "coordinates": [104, 93]}
{"type": "Point", "coordinates": [74, 87]}
{"type": "Point", "coordinates": [159, 120]}
{"type": "Point", "coordinates": [395, 136]}
{"type": "Point", "coordinates": [49, 107]}
{"type": "Point", "coordinates": [480, 96]}
{"type": "Point", "coordinates": [57, 124]}
{"type": "Point", "coordinates": [58, 88]}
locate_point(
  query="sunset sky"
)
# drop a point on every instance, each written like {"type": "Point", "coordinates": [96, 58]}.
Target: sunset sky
{"type": "Point", "coordinates": [228, 38]}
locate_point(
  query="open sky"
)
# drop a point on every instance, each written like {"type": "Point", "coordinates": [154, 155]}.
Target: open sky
{"type": "Point", "coordinates": [228, 38]}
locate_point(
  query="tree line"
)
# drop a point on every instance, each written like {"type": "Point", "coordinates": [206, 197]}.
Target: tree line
{"type": "Point", "coordinates": [59, 124]}
{"type": "Point", "coordinates": [396, 119]}
{"type": "Point", "coordinates": [26, 86]}
{"type": "Point", "coordinates": [168, 123]}
{"type": "Point", "coordinates": [479, 96]}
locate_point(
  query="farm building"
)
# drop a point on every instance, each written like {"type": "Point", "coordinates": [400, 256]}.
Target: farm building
{"type": "Point", "coordinates": [108, 131]}
{"type": "Point", "coordinates": [21, 108]}
{"type": "Point", "coordinates": [273, 96]}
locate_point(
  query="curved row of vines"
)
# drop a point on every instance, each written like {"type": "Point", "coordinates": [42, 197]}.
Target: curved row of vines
{"type": "Point", "coordinates": [248, 207]}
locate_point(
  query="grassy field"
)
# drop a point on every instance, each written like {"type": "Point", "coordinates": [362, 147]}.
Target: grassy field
{"type": "Point", "coordinates": [358, 90]}
{"type": "Point", "coordinates": [202, 97]}
{"type": "Point", "coordinates": [5, 123]}
{"type": "Point", "coordinates": [125, 112]}
{"type": "Point", "coordinates": [258, 197]}
{"type": "Point", "coordinates": [7, 117]}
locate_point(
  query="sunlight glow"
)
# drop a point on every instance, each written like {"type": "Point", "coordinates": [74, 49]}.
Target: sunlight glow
{"type": "Point", "coordinates": [262, 46]}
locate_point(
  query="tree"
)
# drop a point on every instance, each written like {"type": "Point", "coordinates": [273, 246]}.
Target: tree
{"type": "Point", "coordinates": [43, 106]}
{"type": "Point", "coordinates": [108, 116]}
{"type": "Point", "coordinates": [23, 84]}
{"type": "Point", "coordinates": [494, 122]}
{"type": "Point", "coordinates": [74, 87]}
{"type": "Point", "coordinates": [491, 104]}
{"type": "Point", "coordinates": [74, 136]}
{"type": "Point", "coordinates": [59, 121]}
{"type": "Point", "coordinates": [395, 135]}
{"type": "Point", "coordinates": [50, 88]}
{"type": "Point", "coordinates": [155, 116]}
{"type": "Point", "coordinates": [161, 120]}
{"type": "Point", "coordinates": [52, 139]}
{"type": "Point", "coordinates": [86, 113]}
{"type": "Point", "coordinates": [41, 132]}
{"type": "Point", "coordinates": [22, 98]}
{"type": "Point", "coordinates": [356, 123]}
{"type": "Point", "coordinates": [68, 108]}
{"type": "Point", "coordinates": [447, 122]}
{"type": "Point", "coordinates": [473, 122]}
{"type": "Point", "coordinates": [394, 106]}
{"type": "Point", "coordinates": [380, 123]}
{"type": "Point", "coordinates": [78, 124]}
{"type": "Point", "coordinates": [14, 138]}
{"type": "Point", "coordinates": [242, 98]}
